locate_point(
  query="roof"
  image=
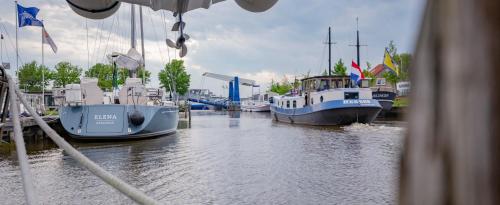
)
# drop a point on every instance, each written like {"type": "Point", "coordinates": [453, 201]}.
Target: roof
{"type": "Point", "coordinates": [377, 69]}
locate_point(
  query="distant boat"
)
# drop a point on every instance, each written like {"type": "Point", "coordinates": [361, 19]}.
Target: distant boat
{"type": "Point", "coordinates": [384, 94]}
{"type": "Point", "coordinates": [326, 100]}
{"type": "Point", "coordinates": [258, 103]}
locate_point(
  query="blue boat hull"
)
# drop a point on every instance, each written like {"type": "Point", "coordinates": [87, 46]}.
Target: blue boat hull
{"type": "Point", "coordinates": [337, 112]}
{"type": "Point", "coordinates": [112, 121]}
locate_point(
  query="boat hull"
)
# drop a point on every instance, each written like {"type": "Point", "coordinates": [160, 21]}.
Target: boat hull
{"type": "Point", "coordinates": [385, 98]}
{"type": "Point", "coordinates": [337, 112]}
{"type": "Point", "coordinates": [257, 108]}
{"type": "Point", "coordinates": [112, 121]}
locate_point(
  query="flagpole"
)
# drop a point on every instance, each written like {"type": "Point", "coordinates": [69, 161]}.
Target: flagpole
{"type": "Point", "coordinates": [43, 74]}
{"type": "Point", "coordinates": [17, 48]}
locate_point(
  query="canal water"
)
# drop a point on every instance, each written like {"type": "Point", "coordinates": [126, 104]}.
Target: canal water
{"type": "Point", "coordinates": [222, 159]}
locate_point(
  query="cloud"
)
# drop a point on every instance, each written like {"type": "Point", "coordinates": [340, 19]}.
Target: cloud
{"type": "Point", "coordinates": [288, 40]}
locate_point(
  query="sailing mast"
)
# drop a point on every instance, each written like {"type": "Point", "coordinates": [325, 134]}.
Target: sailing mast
{"type": "Point", "coordinates": [143, 64]}
{"type": "Point", "coordinates": [132, 35]}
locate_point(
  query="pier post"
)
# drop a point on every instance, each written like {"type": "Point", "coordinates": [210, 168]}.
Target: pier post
{"type": "Point", "coordinates": [452, 149]}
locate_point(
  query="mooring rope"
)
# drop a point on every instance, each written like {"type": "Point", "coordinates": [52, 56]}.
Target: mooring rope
{"type": "Point", "coordinates": [130, 191]}
{"type": "Point", "coordinates": [29, 192]}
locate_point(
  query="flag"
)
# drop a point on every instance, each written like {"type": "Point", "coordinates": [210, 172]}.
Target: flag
{"type": "Point", "coordinates": [46, 39]}
{"type": "Point", "coordinates": [27, 16]}
{"type": "Point", "coordinates": [356, 73]}
{"type": "Point", "coordinates": [389, 63]}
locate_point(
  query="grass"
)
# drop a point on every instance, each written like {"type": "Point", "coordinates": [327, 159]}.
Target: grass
{"type": "Point", "coordinates": [401, 102]}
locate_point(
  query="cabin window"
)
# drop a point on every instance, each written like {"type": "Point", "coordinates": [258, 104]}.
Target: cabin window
{"type": "Point", "coordinates": [288, 104]}
{"type": "Point", "coordinates": [312, 101]}
{"type": "Point", "coordinates": [294, 104]}
{"type": "Point", "coordinates": [321, 99]}
{"type": "Point", "coordinates": [351, 95]}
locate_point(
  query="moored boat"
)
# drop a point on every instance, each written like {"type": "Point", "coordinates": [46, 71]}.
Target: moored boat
{"type": "Point", "coordinates": [325, 100]}
{"type": "Point", "coordinates": [86, 113]}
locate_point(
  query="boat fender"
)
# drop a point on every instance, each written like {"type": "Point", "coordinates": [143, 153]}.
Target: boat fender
{"type": "Point", "coordinates": [136, 118]}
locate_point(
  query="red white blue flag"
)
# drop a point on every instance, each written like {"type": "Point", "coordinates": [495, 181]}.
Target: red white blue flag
{"type": "Point", "coordinates": [356, 73]}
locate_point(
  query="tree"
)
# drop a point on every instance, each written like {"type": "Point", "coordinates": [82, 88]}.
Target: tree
{"type": "Point", "coordinates": [32, 77]}
{"type": "Point", "coordinates": [147, 76]}
{"type": "Point", "coordinates": [325, 73]}
{"type": "Point", "coordinates": [391, 77]}
{"type": "Point", "coordinates": [174, 74]}
{"type": "Point", "coordinates": [369, 75]}
{"type": "Point", "coordinates": [66, 73]}
{"type": "Point", "coordinates": [281, 88]}
{"type": "Point", "coordinates": [104, 74]}
{"type": "Point", "coordinates": [340, 68]}
{"type": "Point", "coordinates": [368, 65]}
{"type": "Point", "coordinates": [402, 60]}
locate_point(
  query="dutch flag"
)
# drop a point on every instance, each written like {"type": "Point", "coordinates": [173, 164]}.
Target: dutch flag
{"type": "Point", "coordinates": [356, 73]}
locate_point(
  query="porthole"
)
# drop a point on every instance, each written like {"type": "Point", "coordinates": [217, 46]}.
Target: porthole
{"type": "Point", "coordinates": [321, 99]}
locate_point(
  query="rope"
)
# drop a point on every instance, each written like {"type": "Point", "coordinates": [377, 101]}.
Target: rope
{"type": "Point", "coordinates": [130, 191]}
{"type": "Point", "coordinates": [20, 147]}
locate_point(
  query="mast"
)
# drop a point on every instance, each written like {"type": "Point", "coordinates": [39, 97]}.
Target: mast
{"type": "Point", "coordinates": [329, 51]}
{"type": "Point", "coordinates": [142, 46]}
{"type": "Point", "coordinates": [133, 42]}
{"type": "Point", "coordinates": [132, 26]}
{"type": "Point", "coordinates": [357, 41]}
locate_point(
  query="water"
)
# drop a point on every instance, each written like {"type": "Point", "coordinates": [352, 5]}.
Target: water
{"type": "Point", "coordinates": [223, 160]}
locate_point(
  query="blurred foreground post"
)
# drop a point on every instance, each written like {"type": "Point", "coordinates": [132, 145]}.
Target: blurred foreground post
{"type": "Point", "coordinates": [452, 151]}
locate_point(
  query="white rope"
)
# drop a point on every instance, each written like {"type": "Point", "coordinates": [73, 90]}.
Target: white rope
{"type": "Point", "coordinates": [29, 192]}
{"type": "Point", "coordinates": [132, 192]}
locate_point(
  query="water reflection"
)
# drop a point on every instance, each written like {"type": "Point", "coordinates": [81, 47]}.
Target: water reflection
{"type": "Point", "coordinates": [253, 161]}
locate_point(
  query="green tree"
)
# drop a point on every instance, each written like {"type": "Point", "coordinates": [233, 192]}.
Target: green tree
{"type": "Point", "coordinates": [368, 65]}
{"type": "Point", "coordinates": [104, 74]}
{"type": "Point", "coordinates": [175, 73]}
{"type": "Point", "coordinates": [281, 88]}
{"type": "Point", "coordinates": [32, 77]}
{"type": "Point", "coordinates": [403, 61]}
{"type": "Point", "coordinates": [340, 68]}
{"type": "Point", "coordinates": [144, 74]}
{"type": "Point", "coordinates": [370, 76]}
{"type": "Point", "coordinates": [66, 73]}
{"type": "Point", "coordinates": [391, 77]}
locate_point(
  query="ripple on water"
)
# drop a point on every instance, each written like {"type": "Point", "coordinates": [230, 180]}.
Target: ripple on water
{"type": "Point", "coordinates": [222, 160]}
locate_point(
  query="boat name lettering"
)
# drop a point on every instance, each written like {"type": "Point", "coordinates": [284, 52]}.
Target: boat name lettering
{"type": "Point", "coordinates": [381, 95]}
{"type": "Point", "coordinates": [105, 117]}
{"type": "Point", "coordinates": [357, 102]}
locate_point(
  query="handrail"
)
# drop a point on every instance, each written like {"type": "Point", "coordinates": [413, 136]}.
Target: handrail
{"type": "Point", "coordinates": [29, 192]}
{"type": "Point", "coordinates": [130, 191]}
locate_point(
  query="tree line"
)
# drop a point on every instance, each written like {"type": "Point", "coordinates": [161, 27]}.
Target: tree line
{"type": "Point", "coordinates": [33, 76]}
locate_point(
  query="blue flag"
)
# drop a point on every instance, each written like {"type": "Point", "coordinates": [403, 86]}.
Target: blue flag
{"type": "Point", "coordinates": [27, 16]}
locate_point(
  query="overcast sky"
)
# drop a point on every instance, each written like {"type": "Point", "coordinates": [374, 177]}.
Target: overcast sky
{"type": "Point", "coordinates": [286, 40]}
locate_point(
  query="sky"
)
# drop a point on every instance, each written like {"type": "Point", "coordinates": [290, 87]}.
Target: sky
{"type": "Point", "coordinates": [286, 41]}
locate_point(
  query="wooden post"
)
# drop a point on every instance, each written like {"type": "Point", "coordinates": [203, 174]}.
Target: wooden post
{"type": "Point", "coordinates": [452, 148]}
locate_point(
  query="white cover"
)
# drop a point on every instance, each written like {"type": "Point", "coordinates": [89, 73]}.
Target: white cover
{"type": "Point", "coordinates": [133, 88]}
{"type": "Point", "coordinates": [91, 93]}
{"type": "Point", "coordinates": [73, 94]}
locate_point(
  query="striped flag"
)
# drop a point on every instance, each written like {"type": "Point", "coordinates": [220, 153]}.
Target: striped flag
{"type": "Point", "coordinates": [46, 39]}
